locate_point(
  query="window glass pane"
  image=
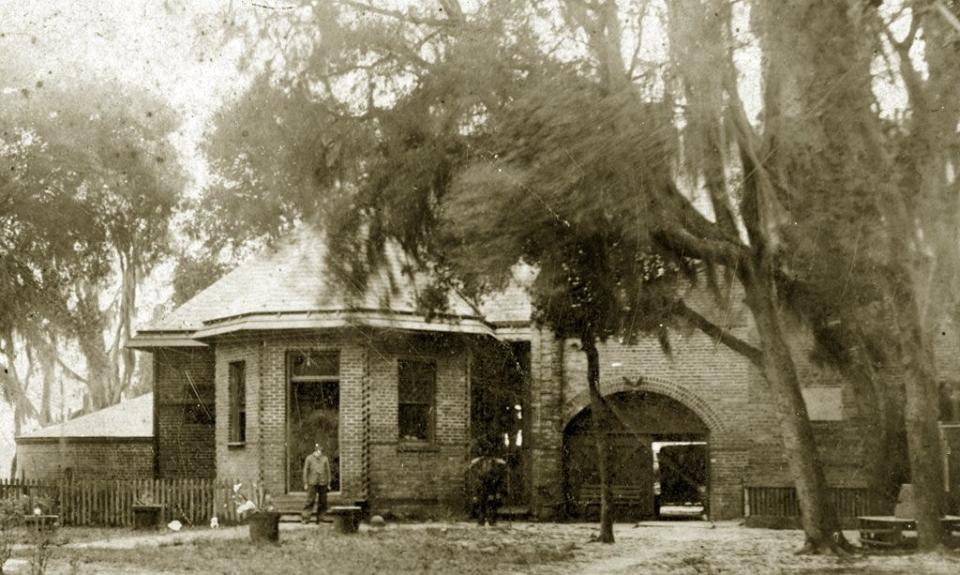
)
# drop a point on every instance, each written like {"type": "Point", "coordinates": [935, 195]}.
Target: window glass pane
{"type": "Point", "coordinates": [414, 421]}
{"type": "Point", "coordinates": [315, 364]}
{"type": "Point", "coordinates": [416, 382]}
{"type": "Point", "coordinates": [237, 380]}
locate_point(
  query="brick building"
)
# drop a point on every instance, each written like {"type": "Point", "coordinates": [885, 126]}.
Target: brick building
{"type": "Point", "coordinates": [114, 442]}
{"type": "Point", "coordinates": [273, 357]}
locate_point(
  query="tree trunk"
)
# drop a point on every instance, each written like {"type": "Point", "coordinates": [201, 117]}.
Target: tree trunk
{"type": "Point", "coordinates": [89, 327]}
{"type": "Point", "coordinates": [881, 424]}
{"type": "Point", "coordinates": [14, 389]}
{"type": "Point", "coordinates": [128, 307]}
{"type": "Point", "coordinates": [920, 417]}
{"type": "Point", "coordinates": [48, 363]}
{"type": "Point", "coordinates": [818, 518]}
{"type": "Point", "coordinates": [598, 412]}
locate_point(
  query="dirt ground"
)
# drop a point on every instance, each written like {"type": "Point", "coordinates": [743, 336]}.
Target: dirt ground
{"type": "Point", "coordinates": [726, 547]}
{"type": "Point", "coordinates": [524, 548]}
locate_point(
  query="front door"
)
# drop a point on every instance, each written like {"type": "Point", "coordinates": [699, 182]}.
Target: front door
{"type": "Point", "coordinates": [314, 415]}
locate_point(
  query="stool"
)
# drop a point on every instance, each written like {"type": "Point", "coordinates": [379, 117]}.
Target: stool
{"type": "Point", "coordinates": [147, 516]}
{"type": "Point", "coordinates": [346, 517]}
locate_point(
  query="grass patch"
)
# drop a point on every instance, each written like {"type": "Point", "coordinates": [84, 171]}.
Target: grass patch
{"type": "Point", "coordinates": [457, 550]}
{"type": "Point", "coordinates": [63, 535]}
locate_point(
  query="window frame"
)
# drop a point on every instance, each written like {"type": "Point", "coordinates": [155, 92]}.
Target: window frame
{"type": "Point", "coordinates": [237, 393]}
{"type": "Point", "coordinates": [322, 378]}
{"type": "Point", "coordinates": [431, 405]}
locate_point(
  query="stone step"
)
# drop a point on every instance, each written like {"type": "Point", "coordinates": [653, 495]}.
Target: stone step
{"type": "Point", "coordinates": [292, 503]}
{"type": "Point", "coordinates": [514, 511]}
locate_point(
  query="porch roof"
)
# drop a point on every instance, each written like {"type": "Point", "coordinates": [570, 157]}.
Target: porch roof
{"type": "Point", "coordinates": [132, 418]}
{"type": "Point", "coordinates": [289, 287]}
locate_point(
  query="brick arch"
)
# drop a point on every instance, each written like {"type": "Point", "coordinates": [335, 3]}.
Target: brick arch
{"type": "Point", "coordinates": [663, 387]}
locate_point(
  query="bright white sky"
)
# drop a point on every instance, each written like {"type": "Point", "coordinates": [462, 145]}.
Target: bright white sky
{"type": "Point", "coordinates": [171, 48]}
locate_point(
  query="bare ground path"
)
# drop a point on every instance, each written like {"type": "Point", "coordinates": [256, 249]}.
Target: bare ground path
{"type": "Point", "coordinates": [726, 547]}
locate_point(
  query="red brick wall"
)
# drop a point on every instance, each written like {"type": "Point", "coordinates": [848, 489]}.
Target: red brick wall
{"type": "Point", "coordinates": [725, 390]}
{"type": "Point", "coordinates": [374, 465]}
{"type": "Point", "coordinates": [263, 457]}
{"type": "Point", "coordinates": [546, 423]}
{"type": "Point", "coordinates": [120, 459]}
{"type": "Point", "coordinates": [705, 377]}
{"type": "Point", "coordinates": [728, 394]}
{"type": "Point", "coordinates": [404, 473]}
{"type": "Point", "coordinates": [184, 432]}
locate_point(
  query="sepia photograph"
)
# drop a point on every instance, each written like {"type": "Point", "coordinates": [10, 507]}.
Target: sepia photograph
{"type": "Point", "coordinates": [480, 287]}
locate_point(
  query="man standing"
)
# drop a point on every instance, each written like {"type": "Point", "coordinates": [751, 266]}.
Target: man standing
{"type": "Point", "coordinates": [489, 472]}
{"type": "Point", "coordinates": [316, 482]}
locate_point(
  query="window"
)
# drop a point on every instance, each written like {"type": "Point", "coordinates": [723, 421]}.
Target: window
{"type": "Point", "coordinates": [417, 380]}
{"type": "Point", "coordinates": [238, 402]}
{"type": "Point", "coordinates": [314, 366]}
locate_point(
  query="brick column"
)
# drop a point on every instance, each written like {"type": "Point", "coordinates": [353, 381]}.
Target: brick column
{"type": "Point", "coordinates": [273, 418]}
{"type": "Point", "coordinates": [546, 412]}
{"type": "Point", "coordinates": [352, 375]}
{"type": "Point", "coordinates": [728, 460]}
{"type": "Point", "coordinates": [365, 409]}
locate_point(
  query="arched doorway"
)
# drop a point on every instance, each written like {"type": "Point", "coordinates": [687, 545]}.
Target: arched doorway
{"type": "Point", "coordinates": [657, 453]}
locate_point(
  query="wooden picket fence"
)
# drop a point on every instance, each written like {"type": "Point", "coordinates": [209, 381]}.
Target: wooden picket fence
{"type": "Point", "coordinates": [105, 502]}
{"type": "Point", "coordinates": [782, 502]}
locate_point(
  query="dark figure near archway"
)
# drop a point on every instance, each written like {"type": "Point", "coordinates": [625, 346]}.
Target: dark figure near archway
{"type": "Point", "coordinates": [487, 477]}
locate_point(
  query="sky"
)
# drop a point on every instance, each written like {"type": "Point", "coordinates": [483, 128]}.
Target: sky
{"type": "Point", "coordinates": [171, 48]}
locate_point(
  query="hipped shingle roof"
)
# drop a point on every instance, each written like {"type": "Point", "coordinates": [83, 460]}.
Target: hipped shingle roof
{"type": "Point", "coordinates": [288, 287]}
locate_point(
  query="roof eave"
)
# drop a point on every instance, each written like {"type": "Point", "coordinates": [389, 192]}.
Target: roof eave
{"type": "Point", "coordinates": [147, 340]}
{"type": "Point", "coordinates": [41, 439]}
{"type": "Point", "coordinates": [305, 321]}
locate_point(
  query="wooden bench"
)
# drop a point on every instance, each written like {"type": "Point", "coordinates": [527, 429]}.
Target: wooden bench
{"type": "Point", "coordinates": [346, 518]}
{"type": "Point", "coordinates": [896, 532]}
{"type": "Point", "coordinates": [624, 496]}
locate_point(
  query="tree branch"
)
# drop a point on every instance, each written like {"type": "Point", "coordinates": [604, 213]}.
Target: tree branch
{"type": "Point", "coordinates": [720, 334]}
{"type": "Point", "coordinates": [911, 78]}
{"type": "Point", "coordinates": [947, 15]}
{"type": "Point", "coordinates": [635, 57]}
{"type": "Point", "coordinates": [407, 17]}
{"type": "Point", "coordinates": [684, 243]}
{"type": "Point", "coordinates": [70, 372]}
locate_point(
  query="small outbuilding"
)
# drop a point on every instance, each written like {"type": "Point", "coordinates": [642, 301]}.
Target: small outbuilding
{"type": "Point", "coordinates": [115, 442]}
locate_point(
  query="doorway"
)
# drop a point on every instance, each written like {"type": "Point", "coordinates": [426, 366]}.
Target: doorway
{"type": "Point", "coordinates": [656, 447]}
{"type": "Point", "coordinates": [498, 406]}
{"type": "Point", "coordinates": [313, 414]}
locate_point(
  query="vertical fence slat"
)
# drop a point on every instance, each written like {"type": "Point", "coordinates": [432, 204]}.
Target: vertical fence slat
{"type": "Point", "coordinates": [783, 501]}
{"type": "Point", "coordinates": [109, 502]}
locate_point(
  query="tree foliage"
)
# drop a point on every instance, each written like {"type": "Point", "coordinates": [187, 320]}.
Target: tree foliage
{"type": "Point", "coordinates": [90, 182]}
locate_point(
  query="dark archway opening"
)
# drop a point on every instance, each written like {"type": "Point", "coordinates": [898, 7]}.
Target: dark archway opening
{"type": "Point", "coordinates": [658, 454]}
